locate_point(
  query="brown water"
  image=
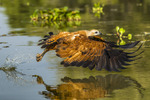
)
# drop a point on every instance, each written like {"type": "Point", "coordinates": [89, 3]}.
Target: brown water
{"type": "Point", "coordinates": [22, 78]}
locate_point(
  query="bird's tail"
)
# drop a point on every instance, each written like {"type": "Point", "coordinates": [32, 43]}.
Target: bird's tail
{"type": "Point", "coordinates": [47, 40]}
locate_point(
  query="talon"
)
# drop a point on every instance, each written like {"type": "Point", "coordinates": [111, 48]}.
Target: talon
{"type": "Point", "coordinates": [38, 57]}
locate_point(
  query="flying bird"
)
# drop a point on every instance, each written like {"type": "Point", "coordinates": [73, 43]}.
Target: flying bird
{"type": "Point", "coordinates": [87, 49]}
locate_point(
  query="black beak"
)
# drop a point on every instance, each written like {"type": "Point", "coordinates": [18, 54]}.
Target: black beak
{"type": "Point", "coordinates": [100, 33]}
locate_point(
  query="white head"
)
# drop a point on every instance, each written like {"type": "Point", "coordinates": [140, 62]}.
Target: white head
{"type": "Point", "coordinates": [93, 33]}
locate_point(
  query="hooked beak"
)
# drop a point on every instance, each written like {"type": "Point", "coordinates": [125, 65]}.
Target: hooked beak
{"type": "Point", "coordinates": [100, 33]}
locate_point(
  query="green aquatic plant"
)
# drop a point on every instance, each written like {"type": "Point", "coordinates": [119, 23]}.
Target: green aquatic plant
{"type": "Point", "coordinates": [34, 16]}
{"type": "Point", "coordinates": [120, 34]}
{"type": "Point", "coordinates": [98, 9]}
{"type": "Point", "coordinates": [57, 17]}
{"type": "Point", "coordinates": [56, 14]}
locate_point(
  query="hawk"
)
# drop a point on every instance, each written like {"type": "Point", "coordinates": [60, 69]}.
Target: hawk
{"type": "Point", "coordinates": [87, 49]}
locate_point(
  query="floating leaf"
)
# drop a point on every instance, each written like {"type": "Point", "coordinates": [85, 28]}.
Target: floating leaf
{"type": "Point", "coordinates": [77, 23]}
{"type": "Point", "coordinates": [28, 3]}
{"type": "Point", "coordinates": [122, 42]}
{"type": "Point", "coordinates": [97, 9]}
{"type": "Point", "coordinates": [121, 30]}
{"type": "Point", "coordinates": [77, 17]}
{"type": "Point", "coordinates": [129, 36]}
{"type": "Point", "coordinates": [94, 9]}
{"type": "Point", "coordinates": [65, 8]}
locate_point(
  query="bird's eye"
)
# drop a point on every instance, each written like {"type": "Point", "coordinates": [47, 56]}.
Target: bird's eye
{"type": "Point", "coordinates": [96, 32]}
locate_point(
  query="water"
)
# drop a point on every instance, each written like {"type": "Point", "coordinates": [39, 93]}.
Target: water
{"type": "Point", "coordinates": [22, 78]}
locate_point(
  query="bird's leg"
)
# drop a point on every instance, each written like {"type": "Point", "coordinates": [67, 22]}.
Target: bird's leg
{"type": "Point", "coordinates": [40, 56]}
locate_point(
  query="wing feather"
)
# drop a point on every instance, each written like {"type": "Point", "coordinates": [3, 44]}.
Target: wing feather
{"type": "Point", "coordinates": [97, 54]}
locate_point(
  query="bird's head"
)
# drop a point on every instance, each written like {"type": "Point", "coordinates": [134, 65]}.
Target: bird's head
{"type": "Point", "coordinates": [93, 33]}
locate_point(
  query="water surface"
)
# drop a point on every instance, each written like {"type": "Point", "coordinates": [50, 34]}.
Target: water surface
{"type": "Point", "coordinates": [22, 78]}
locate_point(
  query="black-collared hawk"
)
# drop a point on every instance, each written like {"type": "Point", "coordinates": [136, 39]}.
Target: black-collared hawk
{"type": "Point", "coordinates": [87, 49]}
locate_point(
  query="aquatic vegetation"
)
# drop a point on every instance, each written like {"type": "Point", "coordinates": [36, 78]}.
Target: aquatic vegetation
{"type": "Point", "coordinates": [58, 17]}
{"type": "Point", "coordinates": [120, 34]}
{"type": "Point", "coordinates": [56, 14]}
{"type": "Point", "coordinates": [98, 9]}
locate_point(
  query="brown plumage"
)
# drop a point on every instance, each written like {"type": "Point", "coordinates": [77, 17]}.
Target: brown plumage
{"type": "Point", "coordinates": [87, 49]}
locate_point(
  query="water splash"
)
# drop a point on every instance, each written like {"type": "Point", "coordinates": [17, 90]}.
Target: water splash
{"type": "Point", "coordinates": [10, 65]}
{"type": "Point", "coordinates": [17, 60]}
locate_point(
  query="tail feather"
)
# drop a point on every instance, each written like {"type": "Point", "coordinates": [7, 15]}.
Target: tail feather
{"type": "Point", "coordinates": [43, 41]}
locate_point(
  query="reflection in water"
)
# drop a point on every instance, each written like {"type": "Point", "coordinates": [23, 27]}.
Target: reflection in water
{"type": "Point", "coordinates": [4, 27]}
{"type": "Point", "coordinates": [88, 88]}
{"type": "Point", "coordinates": [61, 25]}
{"type": "Point", "coordinates": [13, 74]}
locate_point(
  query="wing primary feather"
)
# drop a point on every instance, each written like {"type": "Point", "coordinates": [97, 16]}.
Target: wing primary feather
{"type": "Point", "coordinates": [126, 46]}
{"type": "Point", "coordinates": [73, 63]}
{"type": "Point", "coordinates": [126, 59]}
{"type": "Point", "coordinates": [120, 65]}
{"type": "Point", "coordinates": [66, 64]}
{"type": "Point", "coordinates": [114, 65]}
{"type": "Point", "coordinates": [111, 54]}
{"type": "Point", "coordinates": [99, 65]}
{"type": "Point", "coordinates": [123, 62]}
{"type": "Point", "coordinates": [135, 55]}
{"type": "Point", "coordinates": [91, 65]}
{"type": "Point", "coordinates": [129, 45]}
{"type": "Point", "coordinates": [108, 68]}
{"type": "Point", "coordinates": [111, 65]}
{"type": "Point", "coordinates": [100, 58]}
{"type": "Point", "coordinates": [78, 64]}
{"type": "Point", "coordinates": [86, 63]}
{"type": "Point", "coordinates": [107, 63]}
{"type": "Point", "coordinates": [136, 49]}
{"type": "Point", "coordinates": [93, 58]}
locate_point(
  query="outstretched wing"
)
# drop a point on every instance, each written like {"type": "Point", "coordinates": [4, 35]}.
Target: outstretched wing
{"type": "Point", "coordinates": [95, 53]}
